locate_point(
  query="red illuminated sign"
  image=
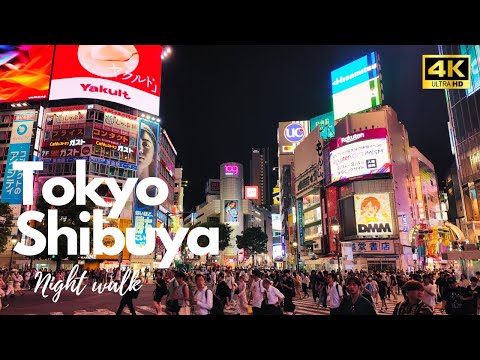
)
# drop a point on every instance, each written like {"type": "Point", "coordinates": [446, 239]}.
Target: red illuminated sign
{"type": "Point", "coordinates": [124, 74]}
{"type": "Point", "coordinates": [251, 192]}
{"type": "Point", "coordinates": [25, 72]}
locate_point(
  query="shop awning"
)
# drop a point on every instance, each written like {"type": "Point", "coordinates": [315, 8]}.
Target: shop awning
{"type": "Point", "coordinates": [456, 230]}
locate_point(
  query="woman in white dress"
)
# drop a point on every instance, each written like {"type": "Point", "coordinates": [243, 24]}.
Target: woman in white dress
{"type": "Point", "coordinates": [242, 303]}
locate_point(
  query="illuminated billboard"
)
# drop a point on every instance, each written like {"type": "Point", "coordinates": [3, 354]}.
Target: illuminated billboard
{"type": "Point", "coordinates": [474, 52]}
{"type": "Point", "coordinates": [278, 252]}
{"type": "Point", "coordinates": [148, 152]}
{"type": "Point", "coordinates": [326, 124]}
{"type": "Point", "coordinates": [356, 86]}
{"type": "Point", "coordinates": [25, 72]}
{"type": "Point", "coordinates": [251, 192]}
{"type": "Point", "coordinates": [230, 208]}
{"type": "Point", "coordinates": [125, 74]}
{"type": "Point", "coordinates": [231, 169]}
{"type": "Point", "coordinates": [291, 134]}
{"type": "Point", "coordinates": [360, 154]}
{"type": "Point", "coordinates": [276, 222]}
{"type": "Point", "coordinates": [373, 215]}
{"type": "Point", "coordinates": [19, 149]}
{"type": "Point", "coordinates": [213, 187]}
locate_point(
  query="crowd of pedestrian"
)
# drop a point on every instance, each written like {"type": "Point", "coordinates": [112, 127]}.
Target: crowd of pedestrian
{"type": "Point", "coordinates": [271, 292]}
{"type": "Point", "coordinates": [264, 291]}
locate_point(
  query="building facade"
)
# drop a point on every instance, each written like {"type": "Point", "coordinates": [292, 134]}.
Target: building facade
{"type": "Point", "coordinates": [370, 167]}
{"type": "Point", "coordinates": [464, 114]}
{"type": "Point", "coordinates": [260, 175]}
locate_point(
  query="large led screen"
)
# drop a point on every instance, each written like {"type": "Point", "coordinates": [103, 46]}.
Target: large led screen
{"type": "Point", "coordinates": [148, 150]}
{"type": "Point", "coordinates": [474, 52]}
{"type": "Point", "coordinates": [356, 86]}
{"type": "Point", "coordinates": [360, 154]}
{"type": "Point", "coordinates": [25, 72]}
{"type": "Point", "coordinates": [373, 215]}
{"type": "Point", "coordinates": [124, 74]}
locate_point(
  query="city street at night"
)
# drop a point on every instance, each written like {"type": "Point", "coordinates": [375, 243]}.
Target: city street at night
{"type": "Point", "coordinates": [240, 179]}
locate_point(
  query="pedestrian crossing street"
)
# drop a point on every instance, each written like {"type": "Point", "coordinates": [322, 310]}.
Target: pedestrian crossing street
{"type": "Point", "coordinates": [304, 306]}
{"type": "Point", "coordinates": [139, 310]}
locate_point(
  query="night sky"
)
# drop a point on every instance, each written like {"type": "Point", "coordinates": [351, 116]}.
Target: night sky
{"type": "Point", "coordinates": [218, 102]}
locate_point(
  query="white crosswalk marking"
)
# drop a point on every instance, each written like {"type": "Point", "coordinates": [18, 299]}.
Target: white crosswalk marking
{"type": "Point", "coordinates": [126, 311]}
{"type": "Point", "coordinates": [148, 309]}
{"type": "Point", "coordinates": [306, 306]}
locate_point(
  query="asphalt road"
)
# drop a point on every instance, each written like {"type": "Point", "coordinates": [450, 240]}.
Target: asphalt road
{"type": "Point", "coordinates": [69, 303]}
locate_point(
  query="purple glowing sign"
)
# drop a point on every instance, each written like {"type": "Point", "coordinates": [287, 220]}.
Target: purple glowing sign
{"type": "Point", "coordinates": [231, 170]}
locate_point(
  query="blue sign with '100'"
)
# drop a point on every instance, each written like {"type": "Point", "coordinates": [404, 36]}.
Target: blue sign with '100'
{"type": "Point", "coordinates": [294, 132]}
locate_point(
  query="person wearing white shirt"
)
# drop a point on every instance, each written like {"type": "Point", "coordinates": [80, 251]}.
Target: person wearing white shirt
{"type": "Point", "coordinates": [203, 298]}
{"type": "Point", "coordinates": [274, 298]}
{"type": "Point", "coordinates": [430, 291]}
{"type": "Point", "coordinates": [334, 294]}
{"type": "Point", "coordinates": [256, 293]}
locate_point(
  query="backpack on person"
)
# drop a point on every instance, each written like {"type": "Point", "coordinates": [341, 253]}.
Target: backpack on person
{"type": "Point", "coordinates": [135, 294]}
{"type": "Point", "coordinates": [217, 308]}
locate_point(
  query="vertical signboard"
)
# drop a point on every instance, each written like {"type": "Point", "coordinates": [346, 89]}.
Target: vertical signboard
{"type": "Point", "coordinates": [300, 222]}
{"type": "Point", "coordinates": [230, 208]}
{"type": "Point", "coordinates": [21, 137]}
{"type": "Point", "coordinates": [148, 153]}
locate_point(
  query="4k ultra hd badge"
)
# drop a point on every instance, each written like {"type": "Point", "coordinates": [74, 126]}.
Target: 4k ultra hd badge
{"type": "Point", "coordinates": [450, 72]}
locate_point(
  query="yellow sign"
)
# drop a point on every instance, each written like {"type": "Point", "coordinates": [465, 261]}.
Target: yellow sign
{"type": "Point", "coordinates": [451, 72]}
{"type": "Point", "coordinates": [373, 214]}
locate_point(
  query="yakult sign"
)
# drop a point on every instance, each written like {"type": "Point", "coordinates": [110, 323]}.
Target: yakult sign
{"type": "Point", "coordinates": [124, 74]}
{"type": "Point", "coordinates": [82, 190]}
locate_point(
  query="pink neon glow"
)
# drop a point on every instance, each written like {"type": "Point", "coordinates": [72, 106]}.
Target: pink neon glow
{"type": "Point", "coordinates": [231, 169]}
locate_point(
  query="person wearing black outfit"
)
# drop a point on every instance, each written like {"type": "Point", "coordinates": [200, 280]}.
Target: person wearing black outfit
{"type": "Point", "coordinates": [313, 280]}
{"type": "Point", "coordinates": [453, 298]}
{"type": "Point", "coordinates": [223, 291]}
{"type": "Point", "coordinates": [127, 299]}
{"type": "Point", "coordinates": [355, 303]}
{"type": "Point", "coordinates": [288, 290]}
{"type": "Point", "coordinates": [159, 292]}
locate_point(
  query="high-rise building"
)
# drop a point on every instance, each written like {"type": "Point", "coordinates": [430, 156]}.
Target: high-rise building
{"type": "Point", "coordinates": [260, 175]}
{"type": "Point", "coordinates": [231, 205]}
{"type": "Point", "coordinates": [289, 136]}
{"type": "Point", "coordinates": [371, 171]}
{"type": "Point", "coordinates": [114, 127]}
{"type": "Point", "coordinates": [464, 114]}
{"type": "Point", "coordinates": [20, 132]}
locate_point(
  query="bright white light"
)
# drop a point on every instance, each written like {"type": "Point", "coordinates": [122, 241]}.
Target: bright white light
{"type": "Point", "coordinates": [13, 105]}
{"type": "Point", "coordinates": [148, 117]}
{"type": "Point", "coordinates": [143, 115]}
{"type": "Point", "coordinates": [25, 104]}
{"type": "Point", "coordinates": [169, 50]}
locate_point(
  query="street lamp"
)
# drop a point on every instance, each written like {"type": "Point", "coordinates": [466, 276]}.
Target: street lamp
{"type": "Point", "coordinates": [14, 241]}
{"type": "Point", "coordinates": [336, 230]}
{"type": "Point", "coordinates": [295, 246]}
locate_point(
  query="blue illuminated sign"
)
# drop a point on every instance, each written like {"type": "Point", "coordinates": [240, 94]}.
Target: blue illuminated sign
{"type": "Point", "coordinates": [326, 124]}
{"type": "Point", "coordinates": [294, 133]}
{"type": "Point", "coordinates": [354, 73]}
{"type": "Point", "coordinates": [300, 222]}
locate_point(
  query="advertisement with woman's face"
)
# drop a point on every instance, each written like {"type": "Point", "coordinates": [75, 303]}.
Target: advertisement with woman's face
{"type": "Point", "coordinates": [148, 140]}
{"type": "Point", "coordinates": [231, 211]}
